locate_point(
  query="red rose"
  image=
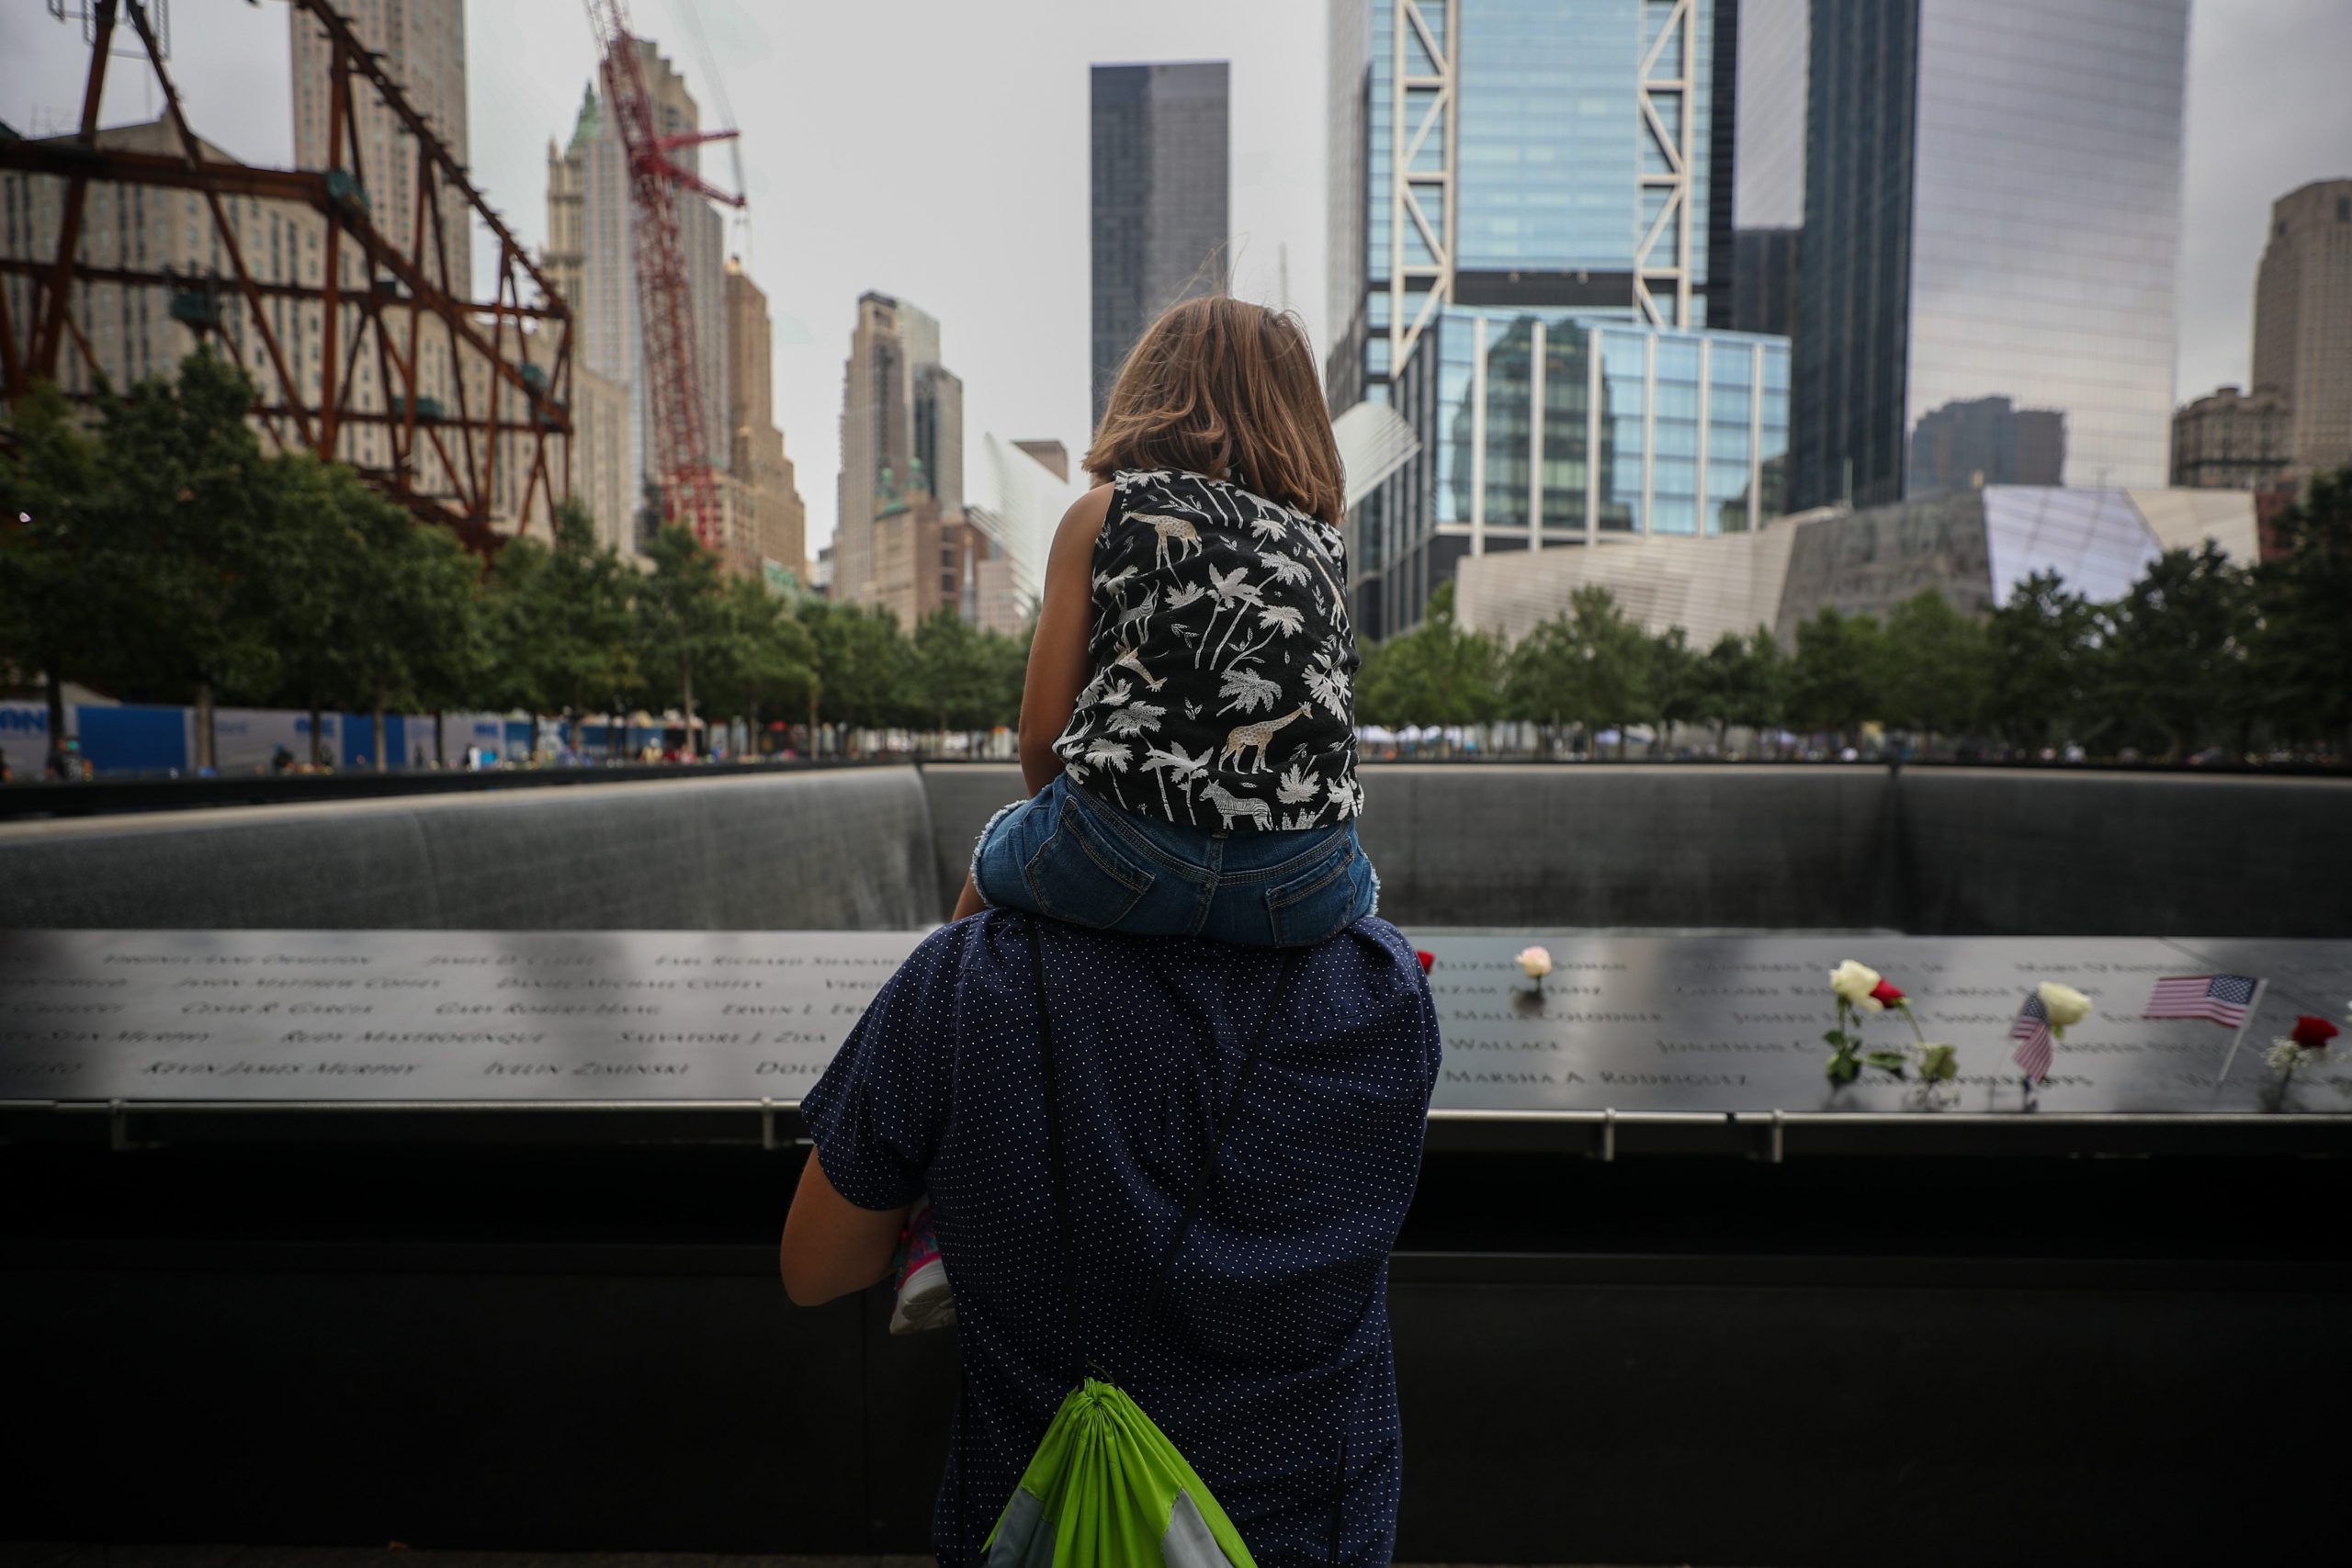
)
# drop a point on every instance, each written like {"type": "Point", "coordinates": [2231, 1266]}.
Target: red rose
{"type": "Point", "coordinates": [2311, 1034]}
{"type": "Point", "coordinates": [1426, 957]}
{"type": "Point", "coordinates": [1885, 995]}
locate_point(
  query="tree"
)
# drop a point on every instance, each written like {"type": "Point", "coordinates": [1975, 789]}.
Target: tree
{"type": "Point", "coordinates": [589, 652]}
{"type": "Point", "coordinates": [1589, 666]}
{"type": "Point", "coordinates": [1725, 681]}
{"type": "Point", "coordinates": [1436, 673]}
{"type": "Point", "coordinates": [319, 573]}
{"type": "Point", "coordinates": [958, 674]}
{"type": "Point", "coordinates": [432, 609]}
{"type": "Point", "coordinates": [1839, 680]}
{"type": "Point", "coordinates": [2306, 602]}
{"type": "Point", "coordinates": [1762, 702]}
{"type": "Point", "coordinates": [1672, 685]}
{"type": "Point", "coordinates": [51, 545]}
{"type": "Point", "coordinates": [764, 656]}
{"type": "Point", "coordinates": [179, 529]}
{"type": "Point", "coordinates": [2039, 650]}
{"type": "Point", "coordinates": [1936, 672]}
{"type": "Point", "coordinates": [864, 666]}
{"type": "Point", "coordinates": [681, 617]}
{"type": "Point", "coordinates": [2176, 648]}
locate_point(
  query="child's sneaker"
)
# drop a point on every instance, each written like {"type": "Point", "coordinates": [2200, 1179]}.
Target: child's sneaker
{"type": "Point", "coordinates": [924, 1301]}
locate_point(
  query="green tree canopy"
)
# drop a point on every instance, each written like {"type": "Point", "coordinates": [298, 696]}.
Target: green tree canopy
{"type": "Point", "coordinates": [2175, 645]}
{"type": "Point", "coordinates": [1436, 673]}
{"type": "Point", "coordinates": [2038, 650]}
{"type": "Point", "coordinates": [1839, 679]}
{"type": "Point", "coordinates": [1936, 666]}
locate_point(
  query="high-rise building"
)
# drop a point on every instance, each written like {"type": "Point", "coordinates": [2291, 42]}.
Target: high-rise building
{"type": "Point", "coordinates": [779, 541]}
{"type": "Point", "coordinates": [902, 431]}
{"type": "Point", "coordinates": [936, 432]}
{"type": "Point", "coordinates": [1544, 233]}
{"type": "Point", "coordinates": [1160, 192]}
{"type": "Point", "coordinates": [2228, 440]}
{"type": "Point", "coordinates": [2302, 321]}
{"type": "Point", "coordinates": [1986, 441]}
{"type": "Point", "coordinates": [1764, 280]}
{"type": "Point", "coordinates": [588, 256]}
{"type": "Point", "coordinates": [1993, 194]}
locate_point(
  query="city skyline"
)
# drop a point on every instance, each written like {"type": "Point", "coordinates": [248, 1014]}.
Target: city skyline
{"type": "Point", "coordinates": [1020, 315]}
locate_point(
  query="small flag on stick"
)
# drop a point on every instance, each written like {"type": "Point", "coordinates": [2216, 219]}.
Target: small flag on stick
{"type": "Point", "coordinates": [2216, 998]}
{"type": "Point", "coordinates": [2032, 1031]}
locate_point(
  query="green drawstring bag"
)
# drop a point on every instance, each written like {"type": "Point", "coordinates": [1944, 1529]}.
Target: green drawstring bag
{"type": "Point", "coordinates": [1107, 1489]}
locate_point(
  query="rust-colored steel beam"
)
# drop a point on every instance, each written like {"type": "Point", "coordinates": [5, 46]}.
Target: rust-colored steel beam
{"type": "Point", "coordinates": [148, 277]}
{"type": "Point", "coordinates": [223, 230]}
{"type": "Point", "coordinates": [50, 308]}
{"type": "Point", "coordinates": [387, 311]}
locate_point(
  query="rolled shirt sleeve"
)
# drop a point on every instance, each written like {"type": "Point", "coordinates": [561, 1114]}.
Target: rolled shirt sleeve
{"type": "Point", "coordinates": [877, 1114]}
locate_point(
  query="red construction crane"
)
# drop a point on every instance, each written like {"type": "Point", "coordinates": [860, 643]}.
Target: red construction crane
{"type": "Point", "coordinates": [680, 451]}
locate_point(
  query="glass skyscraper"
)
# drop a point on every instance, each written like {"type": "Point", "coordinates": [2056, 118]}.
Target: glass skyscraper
{"type": "Point", "coordinates": [1992, 220]}
{"type": "Point", "coordinates": [1542, 238]}
{"type": "Point", "coordinates": [1160, 189]}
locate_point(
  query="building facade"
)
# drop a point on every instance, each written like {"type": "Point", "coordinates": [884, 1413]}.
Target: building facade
{"type": "Point", "coordinates": [589, 257]}
{"type": "Point", "coordinates": [1159, 223]}
{"type": "Point", "coordinates": [921, 557]}
{"type": "Point", "coordinates": [779, 542]}
{"type": "Point", "coordinates": [1993, 194]}
{"type": "Point", "coordinates": [1547, 227]}
{"type": "Point", "coordinates": [1982, 441]}
{"type": "Point", "coordinates": [1972, 546]}
{"type": "Point", "coordinates": [892, 382]}
{"type": "Point", "coordinates": [2302, 321]}
{"type": "Point", "coordinates": [2231, 440]}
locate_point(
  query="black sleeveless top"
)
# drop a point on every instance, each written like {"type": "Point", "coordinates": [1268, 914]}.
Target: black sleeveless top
{"type": "Point", "coordinates": [1222, 661]}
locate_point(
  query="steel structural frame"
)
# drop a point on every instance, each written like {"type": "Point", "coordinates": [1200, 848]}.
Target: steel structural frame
{"type": "Point", "coordinates": [1671, 226]}
{"type": "Point", "coordinates": [402, 292]}
{"type": "Point", "coordinates": [1436, 127]}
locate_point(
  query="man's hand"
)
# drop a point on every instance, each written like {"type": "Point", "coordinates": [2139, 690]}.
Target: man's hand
{"type": "Point", "coordinates": [831, 1245]}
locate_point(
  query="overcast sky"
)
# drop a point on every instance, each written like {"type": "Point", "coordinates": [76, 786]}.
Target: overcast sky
{"type": "Point", "coordinates": [937, 150]}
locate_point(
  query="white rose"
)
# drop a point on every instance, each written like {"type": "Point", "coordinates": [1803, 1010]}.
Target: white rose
{"type": "Point", "coordinates": [2064, 1005]}
{"type": "Point", "coordinates": [1536, 961]}
{"type": "Point", "coordinates": [1854, 983]}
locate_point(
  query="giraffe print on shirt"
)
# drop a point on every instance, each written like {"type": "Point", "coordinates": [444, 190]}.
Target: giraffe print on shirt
{"type": "Point", "coordinates": [1221, 659]}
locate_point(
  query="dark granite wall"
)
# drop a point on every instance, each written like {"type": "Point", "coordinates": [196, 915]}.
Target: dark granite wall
{"type": "Point", "coordinates": [1937, 852]}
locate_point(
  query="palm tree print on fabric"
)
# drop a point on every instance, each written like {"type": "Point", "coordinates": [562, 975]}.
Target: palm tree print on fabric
{"type": "Point", "coordinates": [1221, 660]}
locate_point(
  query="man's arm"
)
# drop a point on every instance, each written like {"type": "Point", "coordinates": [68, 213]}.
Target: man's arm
{"type": "Point", "coordinates": [832, 1247]}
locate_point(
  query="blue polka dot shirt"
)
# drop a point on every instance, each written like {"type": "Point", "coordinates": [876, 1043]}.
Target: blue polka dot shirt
{"type": "Point", "coordinates": [1267, 1364]}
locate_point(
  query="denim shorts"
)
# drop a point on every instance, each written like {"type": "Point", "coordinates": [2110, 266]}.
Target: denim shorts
{"type": "Point", "coordinates": [1065, 855]}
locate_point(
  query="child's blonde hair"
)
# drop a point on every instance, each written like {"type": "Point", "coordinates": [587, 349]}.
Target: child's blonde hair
{"type": "Point", "coordinates": [1223, 388]}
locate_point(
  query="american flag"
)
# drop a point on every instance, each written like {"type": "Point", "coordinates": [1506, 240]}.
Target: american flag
{"type": "Point", "coordinates": [2031, 1030]}
{"type": "Point", "coordinates": [2217, 999]}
